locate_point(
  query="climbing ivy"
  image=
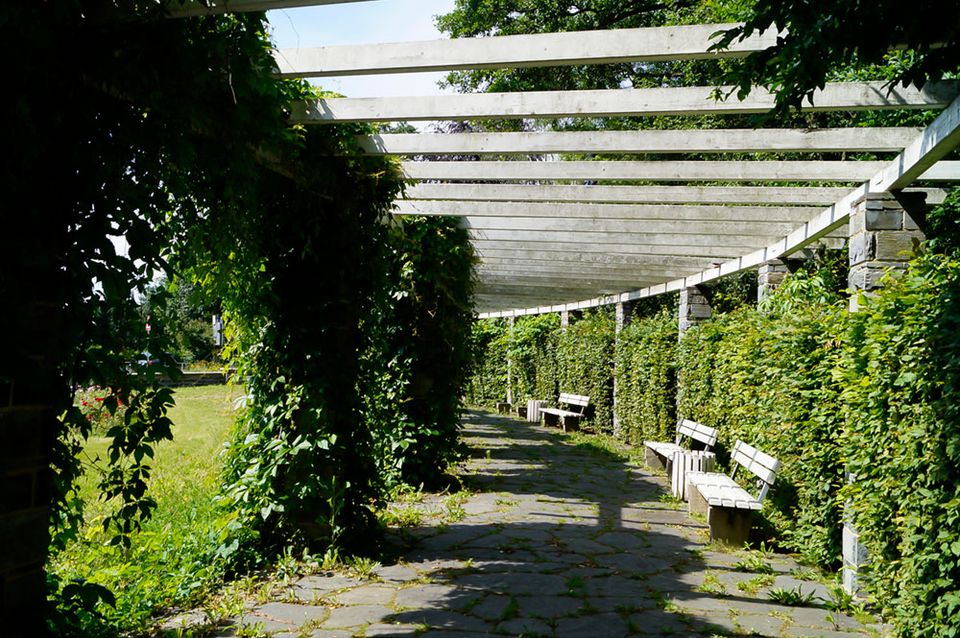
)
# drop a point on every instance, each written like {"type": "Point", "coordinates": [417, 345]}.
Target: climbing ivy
{"type": "Point", "coordinates": [489, 340]}
{"type": "Point", "coordinates": [532, 352]}
{"type": "Point", "coordinates": [426, 324]}
{"type": "Point", "coordinates": [902, 444]}
{"type": "Point", "coordinates": [646, 375]}
{"type": "Point", "coordinates": [765, 375]}
{"type": "Point", "coordinates": [585, 364]}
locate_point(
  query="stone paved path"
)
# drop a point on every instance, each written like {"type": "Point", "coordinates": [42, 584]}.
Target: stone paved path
{"type": "Point", "coordinates": [556, 539]}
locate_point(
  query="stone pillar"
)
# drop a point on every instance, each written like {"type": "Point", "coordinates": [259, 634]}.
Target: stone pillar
{"type": "Point", "coordinates": [624, 315]}
{"type": "Point", "coordinates": [883, 235]}
{"type": "Point", "coordinates": [769, 277]}
{"type": "Point", "coordinates": [29, 388]}
{"type": "Point", "coordinates": [510, 324]}
{"type": "Point", "coordinates": [564, 319]}
{"type": "Point", "coordinates": [694, 308]}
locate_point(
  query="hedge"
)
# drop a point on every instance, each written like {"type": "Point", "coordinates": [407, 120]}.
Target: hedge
{"type": "Point", "coordinates": [765, 375]}
{"type": "Point", "coordinates": [901, 397]}
{"type": "Point", "coordinates": [646, 376]}
{"type": "Point", "coordinates": [585, 364]}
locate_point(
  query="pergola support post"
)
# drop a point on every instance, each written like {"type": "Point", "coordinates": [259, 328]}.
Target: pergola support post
{"type": "Point", "coordinates": [694, 308]}
{"type": "Point", "coordinates": [624, 314]}
{"type": "Point", "coordinates": [883, 235]}
{"type": "Point", "coordinates": [769, 277]}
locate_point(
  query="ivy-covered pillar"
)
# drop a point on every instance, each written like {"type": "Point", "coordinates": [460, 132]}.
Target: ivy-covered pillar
{"type": "Point", "coordinates": [769, 277]}
{"type": "Point", "coordinates": [694, 308]}
{"type": "Point", "coordinates": [883, 235]}
{"type": "Point", "coordinates": [624, 314]}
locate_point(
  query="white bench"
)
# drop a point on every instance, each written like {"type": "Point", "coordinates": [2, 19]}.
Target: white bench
{"type": "Point", "coordinates": [566, 418]}
{"type": "Point", "coordinates": [728, 507]}
{"type": "Point", "coordinates": [659, 454]}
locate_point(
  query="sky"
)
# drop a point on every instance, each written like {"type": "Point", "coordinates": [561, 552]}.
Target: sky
{"type": "Point", "coordinates": [364, 22]}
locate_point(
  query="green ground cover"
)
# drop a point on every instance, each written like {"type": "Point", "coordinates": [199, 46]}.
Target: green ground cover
{"type": "Point", "coordinates": [179, 555]}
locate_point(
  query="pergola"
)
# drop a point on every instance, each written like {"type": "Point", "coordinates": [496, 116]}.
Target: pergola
{"type": "Point", "coordinates": [553, 235]}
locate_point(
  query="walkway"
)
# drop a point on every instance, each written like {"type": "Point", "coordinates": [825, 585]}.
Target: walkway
{"type": "Point", "coordinates": [555, 539]}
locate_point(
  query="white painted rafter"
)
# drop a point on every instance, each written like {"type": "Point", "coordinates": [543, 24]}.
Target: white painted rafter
{"type": "Point", "coordinates": [654, 44]}
{"type": "Point", "coordinates": [878, 139]}
{"type": "Point", "coordinates": [930, 146]}
{"type": "Point", "coordinates": [847, 96]}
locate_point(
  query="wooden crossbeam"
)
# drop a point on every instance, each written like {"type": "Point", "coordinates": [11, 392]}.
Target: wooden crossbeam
{"type": "Point", "coordinates": [878, 139]}
{"type": "Point", "coordinates": [188, 8]}
{"type": "Point", "coordinates": [846, 96]}
{"type": "Point", "coordinates": [516, 51]}
{"type": "Point", "coordinates": [822, 196]}
{"type": "Point", "coordinates": [664, 171]}
{"type": "Point", "coordinates": [621, 212]}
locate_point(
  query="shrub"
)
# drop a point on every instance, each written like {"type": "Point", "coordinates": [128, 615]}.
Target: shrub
{"type": "Point", "coordinates": [101, 408]}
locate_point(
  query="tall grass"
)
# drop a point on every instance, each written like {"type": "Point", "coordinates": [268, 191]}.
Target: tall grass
{"type": "Point", "coordinates": [174, 560]}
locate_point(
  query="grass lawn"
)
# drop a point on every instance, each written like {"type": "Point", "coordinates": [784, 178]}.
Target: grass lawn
{"type": "Point", "coordinates": [172, 561]}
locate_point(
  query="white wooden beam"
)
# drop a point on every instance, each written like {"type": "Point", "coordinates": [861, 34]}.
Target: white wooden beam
{"type": "Point", "coordinates": [933, 143]}
{"type": "Point", "coordinates": [664, 171]}
{"type": "Point", "coordinates": [677, 243]}
{"type": "Point", "coordinates": [535, 254]}
{"type": "Point", "coordinates": [645, 227]}
{"type": "Point", "coordinates": [516, 51]}
{"type": "Point", "coordinates": [879, 139]}
{"type": "Point", "coordinates": [187, 8]}
{"type": "Point", "coordinates": [607, 245]}
{"type": "Point", "coordinates": [821, 196]}
{"type": "Point", "coordinates": [846, 96]}
{"type": "Point", "coordinates": [624, 212]}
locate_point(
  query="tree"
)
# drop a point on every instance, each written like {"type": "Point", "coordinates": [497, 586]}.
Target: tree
{"type": "Point", "coordinates": [915, 41]}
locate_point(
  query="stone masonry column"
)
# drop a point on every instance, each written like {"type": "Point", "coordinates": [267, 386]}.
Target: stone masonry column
{"type": "Point", "coordinates": [694, 308]}
{"type": "Point", "coordinates": [883, 235]}
{"type": "Point", "coordinates": [624, 314]}
{"type": "Point", "coordinates": [769, 277]}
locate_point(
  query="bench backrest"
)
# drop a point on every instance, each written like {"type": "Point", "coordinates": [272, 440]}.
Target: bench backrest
{"type": "Point", "coordinates": [697, 432]}
{"type": "Point", "coordinates": [764, 466]}
{"type": "Point", "coordinates": [575, 400]}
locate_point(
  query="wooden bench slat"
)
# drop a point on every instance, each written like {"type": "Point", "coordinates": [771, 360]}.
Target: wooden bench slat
{"type": "Point", "coordinates": [698, 432]}
{"type": "Point", "coordinates": [764, 466]}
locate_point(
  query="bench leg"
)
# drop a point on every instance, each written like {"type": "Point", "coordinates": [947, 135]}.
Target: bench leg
{"type": "Point", "coordinates": [730, 525]}
{"type": "Point", "coordinates": [653, 460]}
{"type": "Point", "coordinates": [696, 504]}
{"type": "Point", "coordinates": [570, 423]}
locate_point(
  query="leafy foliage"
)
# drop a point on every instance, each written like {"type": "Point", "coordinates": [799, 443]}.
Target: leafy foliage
{"type": "Point", "coordinates": [585, 364]}
{"type": "Point", "coordinates": [426, 325]}
{"type": "Point", "coordinates": [824, 37]}
{"type": "Point", "coordinates": [902, 444]}
{"type": "Point", "coordinates": [765, 375]}
{"type": "Point", "coordinates": [178, 310]}
{"type": "Point", "coordinates": [533, 355]}
{"type": "Point", "coordinates": [646, 376]}
{"type": "Point", "coordinates": [487, 384]}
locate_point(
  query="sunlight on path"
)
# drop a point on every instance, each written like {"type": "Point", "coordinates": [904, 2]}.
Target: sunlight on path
{"type": "Point", "coordinates": [560, 540]}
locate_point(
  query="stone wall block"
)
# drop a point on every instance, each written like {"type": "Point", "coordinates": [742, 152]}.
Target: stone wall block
{"type": "Point", "coordinates": [884, 219]}
{"type": "Point", "coordinates": [25, 537]}
{"type": "Point", "coordinates": [896, 247]}
{"type": "Point", "coordinates": [861, 248]}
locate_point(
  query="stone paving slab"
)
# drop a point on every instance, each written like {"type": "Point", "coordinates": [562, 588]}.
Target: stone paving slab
{"type": "Point", "coordinates": [555, 539]}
